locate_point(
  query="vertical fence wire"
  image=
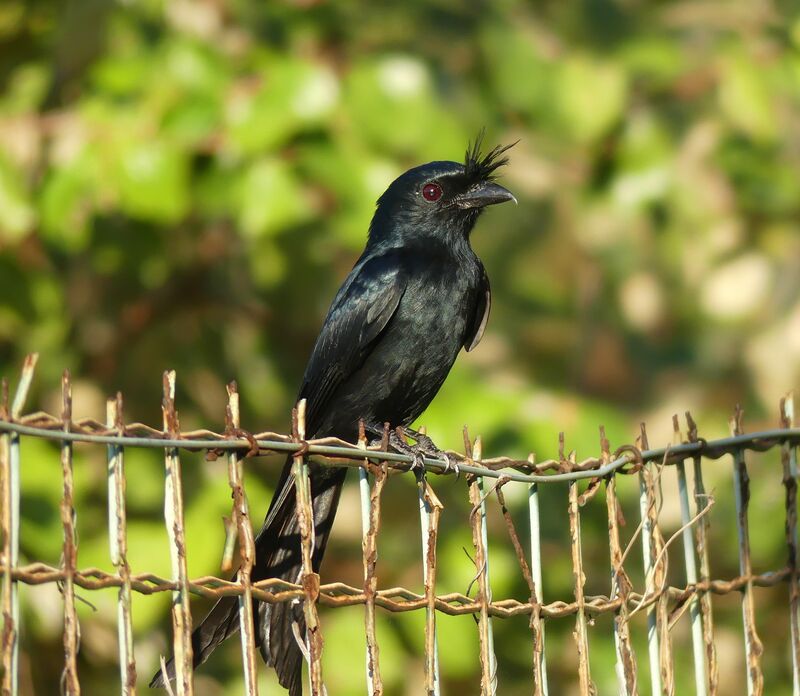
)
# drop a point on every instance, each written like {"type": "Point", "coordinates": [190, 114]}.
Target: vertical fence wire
{"type": "Point", "coordinates": [244, 531]}
{"type": "Point", "coordinates": [310, 579]}
{"type": "Point", "coordinates": [118, 543]}
{"type": "Point", "coordinates": [371, 654]}
{"type": "Point", "coordinates": [370, 525]}
{"type": "Point", "coordinates": [662, 617]}
{"type": "Point", "coordinates": [10, 533]}
{"type": "Point", "coordinates": [660, 580]}
{"type": "Point", "coordinates": [10, 463]}
{"type": "Point", "coordinates": [537, 624]}
{"type": "Point", "coordinates": [579, 580]}
{"type": "Point", "coordinates": [620, 585]}
{"type": "Point", "coordinates": [479, 541]}
{"type": "Point", "coordinates": [690, 568]}
{"type": "Point", "coordinates": [69, 554]}
{"type": "Point", "coordinates": [486, 593]}
{"type": "Point", "coordinates": [430, 509]}
{"type": "Point", "coordinates": [646, 501]}
{"type": "Point", "coordinates": [753, 647]}
{"type": "Point", "coordinates": [701, 539]}
{"type": "Point", "coordinates": [789, 464]}
{"type": "Point", "coordinates": [173, 516]}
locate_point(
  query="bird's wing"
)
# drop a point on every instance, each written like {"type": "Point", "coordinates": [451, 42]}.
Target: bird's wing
{"type": "Point", "coordinates": [481, 316]}
{"type": "Point", "coordinates": [358, 315]}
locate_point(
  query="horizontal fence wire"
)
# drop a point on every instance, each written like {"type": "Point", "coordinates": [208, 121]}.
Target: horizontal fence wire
{"type": "Point", "coordinates": [48, 427]}
{"type": "Point", "coordinates": [661, 602]}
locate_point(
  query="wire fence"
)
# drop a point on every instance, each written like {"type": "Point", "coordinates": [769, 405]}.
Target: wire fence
{"type": "Point", "coordinates": [664, 604]}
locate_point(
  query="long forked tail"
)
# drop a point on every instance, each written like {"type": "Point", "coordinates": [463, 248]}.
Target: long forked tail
{"type": "Point", "coordinates": [278, 626]}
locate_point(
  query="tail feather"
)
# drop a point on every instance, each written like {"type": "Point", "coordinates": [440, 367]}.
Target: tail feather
{"type": "Point", "coordinates": [277, 556]}
{"type": "Point", "coordinates": [222, 621]}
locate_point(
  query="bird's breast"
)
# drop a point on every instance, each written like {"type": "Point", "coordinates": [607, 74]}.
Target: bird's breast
{"type": "Point", "coordinates": [412, 356]}
{"type": "Point", "coordinates": [418, 347]}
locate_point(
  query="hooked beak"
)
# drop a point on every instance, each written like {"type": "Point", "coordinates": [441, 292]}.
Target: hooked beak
{"type": "Point", "coordinates": [486, 193]}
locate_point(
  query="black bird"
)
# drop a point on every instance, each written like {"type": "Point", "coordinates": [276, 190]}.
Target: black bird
{"type": "Point", "coordinates": [417, 295]}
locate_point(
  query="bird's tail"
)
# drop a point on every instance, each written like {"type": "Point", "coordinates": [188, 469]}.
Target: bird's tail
{"type": "Point", "coordinates": [277, 556]}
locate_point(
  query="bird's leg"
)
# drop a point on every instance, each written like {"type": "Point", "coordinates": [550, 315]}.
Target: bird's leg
{"type": "Point", "coordinates": [427, 446]}
{"type": "Point", "coordinates": [424, 443]}
{"type": "Point", "coordinates": [395, 438]}
{"type": "Point", "coordinates": [424, 446]}
{"type": "Point", "coordinates": [399, 444]}
{"type": "Point", "coordinates": [377, 430]}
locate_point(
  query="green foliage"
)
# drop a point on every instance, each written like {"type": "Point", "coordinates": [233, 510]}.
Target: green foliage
{"type": "Point", "coordinates": [185, 184]}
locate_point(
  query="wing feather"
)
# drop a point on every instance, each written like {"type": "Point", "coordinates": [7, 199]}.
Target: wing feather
{"type": "Point", "coordinates": [481, 316]}
{"type": "Point", "coordinates": [359, 313]}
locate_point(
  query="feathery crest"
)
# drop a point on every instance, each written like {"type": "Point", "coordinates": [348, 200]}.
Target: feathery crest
{"type": "Point", "coordinates": [482, 168]}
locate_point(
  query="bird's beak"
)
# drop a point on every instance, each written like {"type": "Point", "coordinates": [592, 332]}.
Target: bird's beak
{"type": "Point", "coordinates": [486, 193]}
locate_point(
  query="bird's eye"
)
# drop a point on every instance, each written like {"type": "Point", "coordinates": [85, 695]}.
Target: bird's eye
{"type": "Point", "coordinates": [431, 192]}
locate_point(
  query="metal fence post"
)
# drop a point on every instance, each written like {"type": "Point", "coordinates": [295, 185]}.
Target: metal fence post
{"type": "Point", "coordinates": [118, 543]}
{"type": "Point", "coordinates": [753, 647]}
{"type": "Point", "coordinates": [10, 464]}
{"type": "Point", "coordinates": [789, 464]}
{"type": "Point", "coordinates": [430, 508]}
{"type": "Point", "coordinates": [646, 502]}
{"type": "Point", "coordinates": [537, 624]}
{"type": "Point", "coordinates": [370, 524]}
{"type": "Point", "coordinates": [310, 579]}
{"type": "Point", "coordinates": [244, 530]}
{"type": "Point", "coordinates": [579, 579]}
{"type": "Point", "coordinates": [701, 541]}
{"type": "Point", "coordinates": [71, 632]}
{"type": "Point", "coordinates": [690, 565]}
{"type": "Point", "coordinates": [620, 585]}
{"type": "Point", "coordinates": [173, 516]}
{"type": "Point", "coordinates": [477, 517]}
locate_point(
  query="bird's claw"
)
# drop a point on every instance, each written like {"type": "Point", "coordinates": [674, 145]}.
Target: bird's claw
{"type": "Point", "coordinates": [427, 446]}
{"type": "Point", "coordinates": [451, 466]}
{"type": "Point", "coordinates": [424, 446]}
{"type": "Point", "coordinates": [398, 443]}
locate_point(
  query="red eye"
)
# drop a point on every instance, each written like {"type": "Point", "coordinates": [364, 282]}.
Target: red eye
{"type": "Point", "coordinates": [431, 192]}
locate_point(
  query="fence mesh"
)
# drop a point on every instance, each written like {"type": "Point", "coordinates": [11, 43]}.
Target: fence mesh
{"type": "Point", "coordinates": [663, 602]}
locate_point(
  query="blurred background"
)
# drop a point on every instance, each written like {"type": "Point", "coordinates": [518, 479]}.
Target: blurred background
{"type": "Point", "coordinates": [185, 184]}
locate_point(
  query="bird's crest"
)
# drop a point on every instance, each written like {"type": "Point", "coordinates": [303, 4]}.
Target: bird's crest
{"type": "Point", "coordinates": [482, 167]}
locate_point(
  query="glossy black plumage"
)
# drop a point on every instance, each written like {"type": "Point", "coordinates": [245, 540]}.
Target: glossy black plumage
{"type": "Point", "coordinates": [415, 297]}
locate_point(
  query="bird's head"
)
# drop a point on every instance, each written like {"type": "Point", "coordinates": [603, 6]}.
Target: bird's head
{"type": "Point", "coordinates": [441, 198]}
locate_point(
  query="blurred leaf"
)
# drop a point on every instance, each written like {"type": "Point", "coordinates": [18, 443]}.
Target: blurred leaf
{"type": "Point", "coordinates": [153, 181]}
{"type": "Point", "coordinates": [17, 215]}
{"type": "Point", "coordinates": [745, 98]}
{"type": "Point", "coordinates": [67, 204]}
{"type": "Point", "coordinates": [11, 16]}
{"type": "Point", "coordinates": [271, 199]}
{"type": "Point", "coordinates": [520, 74]}
{"type": "Point", "coordinates": [390, 104]}
{"type": "Point", "coordinates": [26, 88]}
{"type": "Point", "coordinates": [655, 59]}
{"type": "Point", "coordinates": [344, 640]}
{"type": "Point", "coordinates": [590, 96]}
{"type": "Point", "coordinates": [286, 96]}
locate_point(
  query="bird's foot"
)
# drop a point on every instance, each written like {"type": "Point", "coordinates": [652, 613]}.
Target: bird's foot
{"type": "Point", "coordinates": [423, 447]}
{"type": "Point", "coordinates": [398, 442]}
{"type": "Point", "coordinates": [428, 447]}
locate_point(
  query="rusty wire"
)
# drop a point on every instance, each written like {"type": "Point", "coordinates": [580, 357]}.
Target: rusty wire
{"type": "Point", "coordinates": [394, 599]}
{"type": "Point", "coordinates": [371, 520]}
{"type": "Point", "coordinates": [664, 603]}
{"type": "Point", "coordinates": [335, 452]}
